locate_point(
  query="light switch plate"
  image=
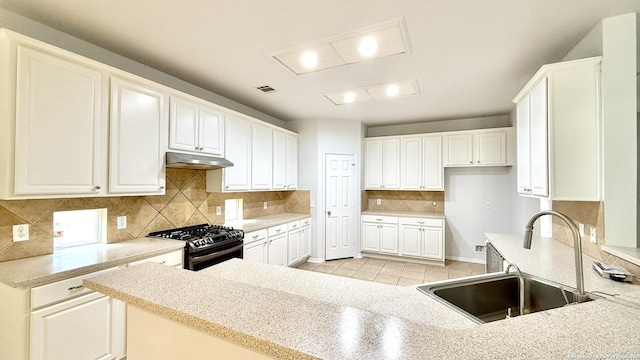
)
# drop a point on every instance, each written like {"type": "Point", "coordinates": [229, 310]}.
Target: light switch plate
{"type": "Point", "coordinates": [593, 235]}
{"type": "Point", "coordinates": [121, 222]}
{"type": "Point", "coordinates": [218, 210]}
{"type": "Point", "coordinates": [20, 232]}
{"type": "Point", "coordinates": [264, 205]}
{"type": "Point", "coordinates": [378, 201]}
{"type": "Point", "coordinates": [581, 229]}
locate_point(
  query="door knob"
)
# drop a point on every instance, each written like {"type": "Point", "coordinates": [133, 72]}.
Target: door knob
{"type": "Point", "coordinates": [329, 212]}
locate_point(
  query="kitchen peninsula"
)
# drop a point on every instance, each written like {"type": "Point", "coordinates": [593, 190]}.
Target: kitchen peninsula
{"type": "Point", "coordinates": [293, 314]}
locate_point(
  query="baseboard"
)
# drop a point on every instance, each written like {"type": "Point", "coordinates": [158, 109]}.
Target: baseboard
{"type": "Point", "coordinates": [315, 260]}
{"type": "Point", "coordinates": [471, 260]}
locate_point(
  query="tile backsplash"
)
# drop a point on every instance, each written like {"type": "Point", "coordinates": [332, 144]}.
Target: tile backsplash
{"type": "Point", "coordinates": [414, 201]}
{"type": "Point", "coordinates": [186, 202]}
{"type": "Point", "coordinates": [591, 214]}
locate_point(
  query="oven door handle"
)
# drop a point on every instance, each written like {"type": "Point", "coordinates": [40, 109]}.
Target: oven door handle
{"type": "Point", "coordinates": [199, 259]}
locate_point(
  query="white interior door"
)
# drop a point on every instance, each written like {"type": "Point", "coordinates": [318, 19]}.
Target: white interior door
{"type": "Point", "coordinates": [339, 206]}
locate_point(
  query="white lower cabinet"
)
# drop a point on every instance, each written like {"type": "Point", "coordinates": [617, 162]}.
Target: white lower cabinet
{"type": "Point", "coordinates": [380, 234]}
{"type": "Point", "coordinates": [404, 236]}
{"type": "Point", "coordinates": [88, 327]}
{"type": "Point", "coordinates": [422, 238]}
{"type": "Point", "coordinates": [255, 246]}
{"type": "Point", "coordinates": [305, 238]}
{"type": "Point", "coordinates": [69, 321]}
{"type": "Point", "coordinates": [277, 249]}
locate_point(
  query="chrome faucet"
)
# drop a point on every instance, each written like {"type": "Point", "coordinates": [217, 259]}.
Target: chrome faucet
{"type": "Point", "coordinates": [520, 288]}
{"type": "Point", "coordinates": [577, 246]}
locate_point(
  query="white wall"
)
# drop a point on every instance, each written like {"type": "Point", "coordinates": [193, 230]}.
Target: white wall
{"type": "Point", "coordinates": [318, 137]}
{"type": "Point", "coordinates": [467, 190]}
{"type": "Point", "coordinates": [62, 40]}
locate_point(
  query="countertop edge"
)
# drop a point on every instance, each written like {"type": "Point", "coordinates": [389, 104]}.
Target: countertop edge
{"type": "Point", "coordinates": [87, 269]}
{"type": "Point", "coordinates": [404, 214]}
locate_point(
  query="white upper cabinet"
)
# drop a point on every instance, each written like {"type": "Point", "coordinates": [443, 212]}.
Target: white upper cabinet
{"type": "Point", "coordinates": [382, 169]}
{"type": "Point", "coordinates": [559, 132]}
{"type": "Point", "coordinates": [238, 150]}
{"type": "Point", "coordinates": [137, 142]}
{"type": "Point", "coordinates": [478, 148]}
{"type": "Point", "coordinates": [285, 160]}
{"type": "Point", "coordinates": [421, 163]}
{"type": "Point", "coordinates": [53, 122]}
{"type": "Point", "coordinates": [196, 127]}
{"type": "Point", "coordinates": [261, 156]}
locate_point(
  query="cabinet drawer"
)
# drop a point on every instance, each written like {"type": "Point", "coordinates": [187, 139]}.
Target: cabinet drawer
{"type": "Point", "coordinates": [422, 222]}
{"type": "Point", "coordinates": [305, 222]}
{"type": "Point", "coordinates": [255, 236]}
{"type": "Point", "coordinates": [294, 225]}
{"type": "Point", "coordinates": [170, 259]}
{"type": "Point", "coordinates": [275, 230]}
{"type": "Point", "coordinates": [380, 219]}
{"type": "Point", "coordinates": [61, 290]}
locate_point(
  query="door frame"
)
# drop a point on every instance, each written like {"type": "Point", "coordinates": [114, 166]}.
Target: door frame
{"type": "Point", "coordinates": [357, 198]}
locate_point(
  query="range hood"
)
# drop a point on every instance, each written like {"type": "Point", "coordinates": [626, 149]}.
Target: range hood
{"type": "Point", "coordinates": [196, 162]}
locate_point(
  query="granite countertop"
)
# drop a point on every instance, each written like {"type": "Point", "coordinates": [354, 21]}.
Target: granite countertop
{"type": "Point", "coordinates": [296, 314]}
{"type": "Point", "coordinates": [264, 222]}
{"type": "Point", "coordinates": [403, 214]}
{"type": "Point", "coordinates": [553, 260]}
{"type": "Point", "coordinates": [80, 260]}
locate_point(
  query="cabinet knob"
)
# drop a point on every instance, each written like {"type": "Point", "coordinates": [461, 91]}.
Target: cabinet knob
{"type": "Point", "coordinates": [471, 162]}
{"type": "Point", "coordinates": [97, 187]}
{"type": "Point", "coordinates": [329, 212]}
{"type": "Point", "coordinates": [161, 187]}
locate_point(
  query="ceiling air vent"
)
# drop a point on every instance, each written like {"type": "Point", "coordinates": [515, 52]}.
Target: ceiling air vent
{"type": "Point", "coordinates": [266, 88]}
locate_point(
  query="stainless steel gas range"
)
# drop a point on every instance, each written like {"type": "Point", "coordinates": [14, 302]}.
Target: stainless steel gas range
{"type": "Point", "coordinates": [206, 245]}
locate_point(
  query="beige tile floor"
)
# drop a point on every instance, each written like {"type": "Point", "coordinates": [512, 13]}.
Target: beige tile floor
{"type": "Point", "coordinates": [395, 272]}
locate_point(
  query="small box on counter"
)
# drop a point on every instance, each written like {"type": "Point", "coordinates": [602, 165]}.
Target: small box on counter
{"type": "Point", "coordinates": [613, 272]}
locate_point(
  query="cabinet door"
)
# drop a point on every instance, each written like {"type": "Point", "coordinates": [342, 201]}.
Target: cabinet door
{"type": "Point", "coordinates": [389, 238]}
{"type": "Point", "coordinates": [411, 164]}
{"type": "Point", "coordinates": [305, 242]}
{"type": "Point", "coordinates": [59, 130]}
{"type": "Point", "coordinates": [238, 151]}
{"type": "Point", "coordinates": [279, 160]}
{"type": "Point", "coordinates": [410, 239]}
{"type": "Point", "coordinates": [432, 170]}
{"type": "Point", "coordinates": [277, 250]}
{"type": "Point", "coordinates": [292, 161]}
{"type": "Point", "coordinates": [491, 148]}
{"type": "Point", "coordinates": [373, 166]}
{"type": "Point", "coordinates": [293, 247]}
{"type": "Point", "coordinates": [459, 150]}
{"type": "Point", "coordinates": [255, 252]}
{"type": "Point", "coordinates": [370, 236]}
{"type": "Point", "coordinates": [211, 131]}
{"type": "Point", "coordinates": [138, 139]}
{"type": "Point", "coordinates": [82, 328]}
{"type": "Point", "coordinates": [183, 126]}
{"type": "Point", "coordinates": [391, 164]}
{"type": "Point", "coordinates": [539, 148]}
{"type": "Point", "coordinates": [523, 154]}
{"type": "Point", "coordinates": [261, 157]}
{"type": "Point", "coordinates": [432, 243]}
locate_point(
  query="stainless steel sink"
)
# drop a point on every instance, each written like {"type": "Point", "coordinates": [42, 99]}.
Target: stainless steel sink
{"type": "Point", "coordinates": [491, 297]}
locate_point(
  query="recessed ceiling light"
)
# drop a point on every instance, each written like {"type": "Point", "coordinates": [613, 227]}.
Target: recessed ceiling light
{"type": "Point", "coordinates": [309, 59]}
{"type": "Point", "coordinates": [373, 42]}
{"type": "Point", "coordinates": [395, 90]}
{"type": "Point", "coordinates": [368, 46]}
{"type": "Point", "coordinates": [349, 97]}
{"type": "Point", "coordinates": [392, 90]}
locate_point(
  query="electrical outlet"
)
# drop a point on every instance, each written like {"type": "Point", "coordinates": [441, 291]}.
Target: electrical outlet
{"type": "Point", "coordinates": [593, 235]}
{"type": "Point", "coordinates": [264, 205]}
{"type": "Point", "coordinates": [121, 222]}
{"type": "Point", "coordinates": [20, 232]}
{"type": "Point", "coordinates": [312, 204]}
{"type": "Point", "coordinates": [218, 210]}
{"type": "Point", "coordinates": [479, 248]}
{"type": "Point", "coordinates": [378, 201]}
{"type": "Point", "coordinates": [435, 203]}
{"type": "Point", "coordinates": [581, 229]}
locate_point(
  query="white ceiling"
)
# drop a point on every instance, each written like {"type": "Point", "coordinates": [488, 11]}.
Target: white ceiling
{"type": "Point", "coordinates": [470, 57]}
